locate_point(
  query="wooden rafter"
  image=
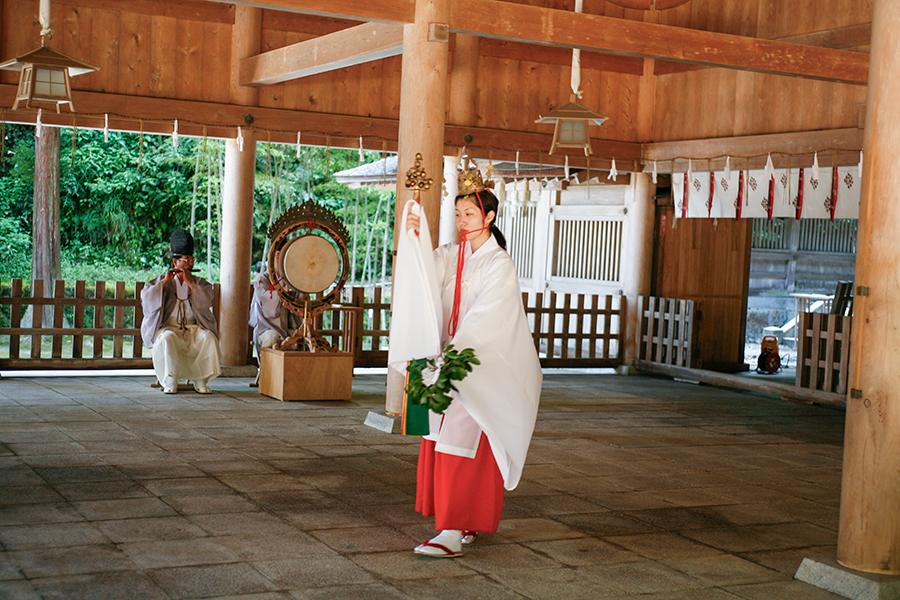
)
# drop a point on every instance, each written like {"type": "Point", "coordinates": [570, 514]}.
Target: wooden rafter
{"type": "Point", "coordinates": [840, 38]}
{"type": "Point", "coordinates": [218, 120]}
{"type": "Point", "coordinates": [559, 28]}
{"type": "Point", "coordinates": [492, 18]}
{"type": "Point", "coordinates": [353, 46]}
{"type": "Point", "coordinates": [387, 11]}
{"type": "Point", "coordinates": [787, 149]}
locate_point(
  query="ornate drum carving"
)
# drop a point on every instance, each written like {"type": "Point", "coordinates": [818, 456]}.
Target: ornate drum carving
{"type": "Point", "coordinates": [308, 264]}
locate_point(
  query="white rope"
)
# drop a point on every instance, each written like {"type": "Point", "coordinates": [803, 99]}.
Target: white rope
{"type": "Point", "coordinates": [576, 62]}
{"type": "Point", "coordinates": [44, 18]}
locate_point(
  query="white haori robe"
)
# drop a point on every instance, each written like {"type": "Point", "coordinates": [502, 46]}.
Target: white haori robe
{"type": "Point", "coordinates": [270, 320]}
{"type": "Point", "coordinates": [188, 353]}
{"type": "Point", "coordinates": [500, 396]}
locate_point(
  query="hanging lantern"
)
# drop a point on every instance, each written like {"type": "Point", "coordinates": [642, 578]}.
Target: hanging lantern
{"type": "Point", "coordinates": [46, 72]}
{"type": "Point", "coordinates": [572, 121]}
{"type": "Point", "coordinates": [45, 77]}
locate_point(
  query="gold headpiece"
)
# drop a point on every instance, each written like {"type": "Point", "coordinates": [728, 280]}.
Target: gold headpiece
{"type": "Point", "coordinates": [470, 180]}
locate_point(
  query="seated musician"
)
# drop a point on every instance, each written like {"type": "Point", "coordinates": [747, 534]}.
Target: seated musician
{"type": "Point", "coordinates": [179, 325]}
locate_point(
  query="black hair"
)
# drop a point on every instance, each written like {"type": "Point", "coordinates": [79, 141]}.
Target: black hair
{"type": "Point", "coordinates": [488, 202]}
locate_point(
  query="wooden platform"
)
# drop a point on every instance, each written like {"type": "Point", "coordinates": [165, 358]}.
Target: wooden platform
{"type": "Point", "coordinates": [295, 375]}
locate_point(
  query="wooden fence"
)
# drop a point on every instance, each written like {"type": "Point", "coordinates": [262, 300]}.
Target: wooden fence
{"type": "Point", "coordinates": [574, 330]}
{"type": "Point", "coordinates": [666, 332]}
{"type": "Point", "coordinates": [99, 328]}
{"type": "Point", "coordinates": [81, 328]}
{"type": "Point", "coordinates": [372, 327]}
{"type": "Point", "coordinates": [823, 354]}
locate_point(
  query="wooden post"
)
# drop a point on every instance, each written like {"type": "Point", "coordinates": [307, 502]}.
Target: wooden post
{"type": "Point", "coordinates": [237, 215]}
{"type": "Point", "coordinates": [463, 81]}
{"type": "Point", "coordinates": [237, 202]}
{"type": "Point", "coordinates": [45, 254]}
{"type": "Point", "coordinates": [637, 256]}
{"type": "Point", "coordinates": [423, 108]}
{"type": "Point", "coordinates": [869, 533]}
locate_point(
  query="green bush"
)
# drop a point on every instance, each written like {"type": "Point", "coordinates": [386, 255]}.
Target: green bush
{"type": "Point", "coordinates": [15, 250]}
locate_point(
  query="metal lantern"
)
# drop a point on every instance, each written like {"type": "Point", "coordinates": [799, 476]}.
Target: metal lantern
{"type": "Point", "coordinates": [45, 77]}
{"type": "Point", "coordinates": [572, 122]}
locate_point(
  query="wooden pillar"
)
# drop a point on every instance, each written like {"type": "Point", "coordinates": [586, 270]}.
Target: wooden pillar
{"type": "Point", "coordinates": [45, 252]}
{"type": "Point", "coordinates": [463, 81]}
{"type": "Point", "coordinates": [869, 534]}
{"type": "Point", "coordinates": [237, 202]}
{"type": "Point", "coordinates": [237, 214]}
{"type": "Point", "coordinates": [423, 108]}
{"type": "Point", "coordinates": [637, 255]}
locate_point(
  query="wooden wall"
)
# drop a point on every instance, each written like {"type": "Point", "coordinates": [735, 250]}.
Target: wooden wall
{"type": "Point", "coordinates": [723, 102]}
{"type": "Point", "coordinates": [708, 262]}
{"type": "Point", "coordinates": [712, 103]}
{"type": "Point", "coordinates": [157, 49]}
{"type": "Point", "coordinates": [182, 50]}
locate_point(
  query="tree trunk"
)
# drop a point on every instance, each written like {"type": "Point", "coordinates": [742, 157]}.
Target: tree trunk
{"type": "Point", "coordinates": [45, 255]}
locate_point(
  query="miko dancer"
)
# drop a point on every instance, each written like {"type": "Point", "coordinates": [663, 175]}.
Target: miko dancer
{"type": "Point", "coordinates": [477, 447]}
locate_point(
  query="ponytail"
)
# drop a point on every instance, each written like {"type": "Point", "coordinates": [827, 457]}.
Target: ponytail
{"type": "Point", "coordinates": [498, 235]}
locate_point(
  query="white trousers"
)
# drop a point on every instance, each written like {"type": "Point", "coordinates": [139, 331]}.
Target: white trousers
{"type": "Point", "coordinates": [269, 338]}
{"type": "Point", "coordinates": [191, 353]}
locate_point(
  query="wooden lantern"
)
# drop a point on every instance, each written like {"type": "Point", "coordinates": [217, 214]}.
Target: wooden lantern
{"type": "Point", "coordinates": [45, 77]}
{"type": "Point", "coordinates": [572, 121]}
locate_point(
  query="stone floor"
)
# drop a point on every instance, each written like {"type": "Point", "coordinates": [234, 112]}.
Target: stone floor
{"type": "Point", "coordinates": [636, 487]}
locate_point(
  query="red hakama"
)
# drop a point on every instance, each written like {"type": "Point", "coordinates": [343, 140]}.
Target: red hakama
{"type": "Point", "coordinates": [461, 493]}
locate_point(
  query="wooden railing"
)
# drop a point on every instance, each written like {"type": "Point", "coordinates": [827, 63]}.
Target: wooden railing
{"type": "Point", "coordinates": [86, 330]}
{"type": "Point", "coordinates": [372, 327]}
{"type": "Point", "coordinates": [100, 328]}
{"type": "Point", "coordinates": [574, 330]}
{"type": "Point", "coordinates": [81, 328]}
{"type": "Point", "coordinates": [666, 332]}
{"type": "Point", "coordinates": [823, 354]}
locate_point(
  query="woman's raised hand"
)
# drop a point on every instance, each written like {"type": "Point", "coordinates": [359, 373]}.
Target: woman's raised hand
{"type": "Point", "coordinates": [412, 219]}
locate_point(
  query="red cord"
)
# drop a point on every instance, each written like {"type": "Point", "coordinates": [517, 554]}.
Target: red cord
{"type": "Point", "coordinates": [460, 263]}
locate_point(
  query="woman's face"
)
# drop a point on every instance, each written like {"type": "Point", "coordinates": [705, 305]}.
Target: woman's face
{"type": "Point", "coordinates": [469, 220]}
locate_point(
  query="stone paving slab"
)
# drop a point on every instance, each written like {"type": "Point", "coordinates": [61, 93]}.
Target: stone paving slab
{"type": "Point", "coordinates": [635, 487]}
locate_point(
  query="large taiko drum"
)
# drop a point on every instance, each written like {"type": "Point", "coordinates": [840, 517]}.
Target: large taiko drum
{"type": "Point", "coordinates": [308, 259]}
{"type": "Point", "coordinates": [311, 263]}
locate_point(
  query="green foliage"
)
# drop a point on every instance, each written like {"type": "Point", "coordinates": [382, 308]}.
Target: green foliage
{"type": "Point", "coordinates": [284, 179]}
{"type": "Point", "coordinates": [125, 196]}
{"type": "Point", "coordinates": [86, 263]}
{"type": "Point", "coordinates": [15, 250]}
{"type": "Point", "coordinates": [455, 366]}
{"type": "Point", "coordinates": [121, 199]}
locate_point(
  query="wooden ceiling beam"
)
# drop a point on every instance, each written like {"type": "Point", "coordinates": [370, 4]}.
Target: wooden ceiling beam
{"type": "Point", "coordinates": [535, 25]}
{"type": "Point", "coordinates": [840, 38]}
{"type": "Point", "coordinates": [613, 63]}
{"type": "Point", "coordinates": [385, 11]}
{"type": "Point", "coordinates": [787, 150]}
{"type": "Point", "coordinates": [520, 23]}
{"type": "Point", "coordinates": [216, 120]}
{"type": "Point", "coordinates": [190, 10]}
{"type": "Point", "coordinates": [345, 48]}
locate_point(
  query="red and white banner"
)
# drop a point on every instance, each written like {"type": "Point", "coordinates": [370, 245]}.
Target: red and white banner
{"type": "Point", "coordinates": [714, 195]}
